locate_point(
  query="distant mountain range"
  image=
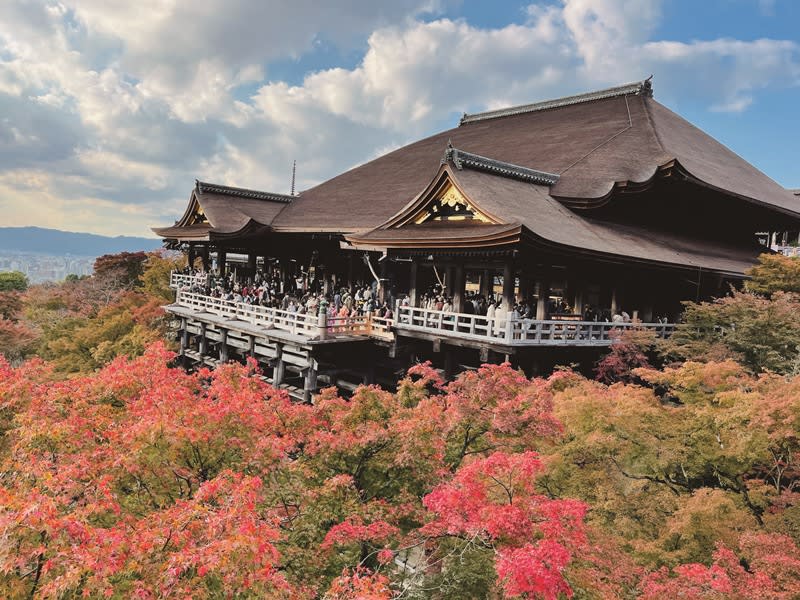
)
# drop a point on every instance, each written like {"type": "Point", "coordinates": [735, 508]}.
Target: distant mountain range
{"type": "Point", "coordinates": [60, 243]}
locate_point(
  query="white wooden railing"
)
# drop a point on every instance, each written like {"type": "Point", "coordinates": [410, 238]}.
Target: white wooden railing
{"type": "Point", "coordinates": [381, 327]}
{"type": "Point", "coordinates": [309, 325]}
{"type": "Point", "coordinates": [499, 330]}
{"type": "Point", "coordinates": [518, 332]}
{"type": "Point", "coordinates": [262, 316]}
{"type": "Point", "coordinates": [178, 280]}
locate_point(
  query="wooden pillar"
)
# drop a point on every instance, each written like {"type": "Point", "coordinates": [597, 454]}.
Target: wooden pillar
{"type": "Point", "coordinates": [458, 288]}
{"type": "Point", "coordinates": [543, 299]}
{"type": "Point", "coordinates": [412, 284]}
{"type": "Point", "coordinates": [449, 363]}
{"type": "Point", "coordinates": [203, 340]}
{"type": "Point", "coordinates": [350, 269]}
{"type": "Point", "coordinates": [280, 367]}
{"type": "Point", "coordinates": [251, 264]}
{"type": "Point", "coordinates": [205, 260]}
{"type": "Point", "coordinates": [487, 283]}
{"type": "Point", "coordinates": [310, 382]}
{"type": "Point", "coordinates": [614, 301]}
{"type": "Point", "coordinates": [578, 304]}
{"type": "Point", "coordinates": [508, 286]}
{"type": "Point", "coordinates": [383, 265]}
{"type": "Point", "coordinates": [524, 287]}
{"type": "Point", "coordinates": [190, 256]}
{"type": "Point", "coordinates": [184, 336]}
{"type": "Point", "coordinates": [251, 350]}
{"type": "Point", "coordinates": [647, 313]}
{"type": "Point", "coordinates": [222, 259]}
{"type": "Point", "coordinates": [449, 275]}
{"type": "Point", "coordinates": [223, 345]}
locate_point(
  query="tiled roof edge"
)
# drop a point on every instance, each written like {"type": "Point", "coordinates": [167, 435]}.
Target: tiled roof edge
{"type": "Point", "coordinates": [462, 159]}
{"type": "Point", "coordinates": [639, 88]}
{"type": "Point", "coordinates": [213, 188]}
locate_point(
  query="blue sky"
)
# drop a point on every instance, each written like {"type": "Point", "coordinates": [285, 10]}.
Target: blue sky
{"type": "Point", "coordinates": [110, 109]}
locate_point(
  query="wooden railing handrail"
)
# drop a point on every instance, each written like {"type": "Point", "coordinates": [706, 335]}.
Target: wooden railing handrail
{"type": "Point", "coordinates": [504, 329]}
{"type": "Point", "coordinates": [514, 331]}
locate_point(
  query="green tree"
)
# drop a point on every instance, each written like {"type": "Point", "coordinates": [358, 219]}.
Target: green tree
{"type": "Point", "coordinates": [13, 280]}
{"type": "Point", "coordinates": [155, 277]}
{"type": "Point", "coordinates": [761, 333]}
{"type": "Point", "coordinates": [775, 273]}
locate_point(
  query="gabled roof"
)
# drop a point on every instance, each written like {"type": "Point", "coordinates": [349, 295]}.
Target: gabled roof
{"type": "Point", "coordinates": [593, 142]}
{"type": "Point", "coordinates": [219, 211]}
{"type": "Point", "coordinates": [521, 210]}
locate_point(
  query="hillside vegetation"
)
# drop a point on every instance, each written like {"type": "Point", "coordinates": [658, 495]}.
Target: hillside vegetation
{"type": "Point", "coordinates": [676, 476]}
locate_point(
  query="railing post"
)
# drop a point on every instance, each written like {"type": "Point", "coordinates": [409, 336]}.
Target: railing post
{"type": "Point", "coordinates": [509, 328]}
{"type": "Point", "coordinates": [322, 320]}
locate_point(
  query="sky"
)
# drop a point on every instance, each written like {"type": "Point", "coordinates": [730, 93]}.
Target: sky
{"type": "Point", "coordinates": [110, 109]}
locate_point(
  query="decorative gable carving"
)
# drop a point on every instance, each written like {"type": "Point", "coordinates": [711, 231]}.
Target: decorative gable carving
{"type": "Point", "coordinates": [449, 204]}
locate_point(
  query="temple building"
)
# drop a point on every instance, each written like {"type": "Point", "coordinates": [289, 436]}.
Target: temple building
{"type": "Point", "coordinates": [563, 215]}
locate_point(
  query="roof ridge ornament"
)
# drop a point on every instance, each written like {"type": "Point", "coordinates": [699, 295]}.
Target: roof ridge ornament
{"type": "Point", "coordinates": [203, 187]}
{"type": "Point", "coordinates": [462, 159]}
{"type": "Point", "coordinates": [638, 88]}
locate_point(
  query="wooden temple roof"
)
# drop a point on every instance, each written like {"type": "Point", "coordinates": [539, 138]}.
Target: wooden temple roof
{"type": "Point", "coordinates": [535, 171]}
{"type": "Point", "coordinates": [218, 211]}
{"type": "Point", "coordinates": [524, 211]}
{"type": "Point", "coordinates": [592, 142]}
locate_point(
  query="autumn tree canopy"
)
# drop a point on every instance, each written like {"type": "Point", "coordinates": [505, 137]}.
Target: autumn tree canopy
{"type": "Point", "coordinates": [13, 281]}
{"type": "Point", "coordinates": [140, 480]}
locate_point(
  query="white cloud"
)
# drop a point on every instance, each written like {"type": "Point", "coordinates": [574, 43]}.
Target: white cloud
{"type": "Point", "coordinates": [109, 103]}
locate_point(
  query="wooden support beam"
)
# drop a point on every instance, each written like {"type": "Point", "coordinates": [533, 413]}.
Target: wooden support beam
{"type": "Point", "coordinates": [458, 288]}
{"type": "Point", "coordinates": [223, 345]}
{"type": "Point", "coordinates": [184, 336]}
{"type": "Point", "coordinates": [508, 287]}
{"type": "Point", "coordinates": [350, 268]}
{"type": "Point", "coordinates": [487, 283]}
{"type": "Point", "coordinates": [222, 259]}
{"type": "Point", "coordinates": [309, 383]}
{"type": "Point", "coordinates": [449, 363]}
{"type": "Point", "coordinates": [280, 367]}
{"type": "Point", "coordinates": [543, 298]}
{"type": "Point", "coordinates": [251, 350]}
{"type": "Point", "coordinates": [449, 275]}
{"type": "Point", "coordinates": [412, 284]}
{"type": "Point", "coordinates": [203, 340]}
{"type": "Point", "coordinates": [578, 304]}
{"type": "Point", "coordinates": [484, 354]}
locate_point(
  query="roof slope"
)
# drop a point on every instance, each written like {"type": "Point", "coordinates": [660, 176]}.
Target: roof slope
{"type": "Point", "coordinates": [591, 141]}
{"type": "Point", "coordinates": [525, 209]}
{"type": "Point", "coordinates": [228, 211]}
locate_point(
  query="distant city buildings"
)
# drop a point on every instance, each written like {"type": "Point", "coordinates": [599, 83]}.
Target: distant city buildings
{"type": "Point", "coordinates": [41, 268]}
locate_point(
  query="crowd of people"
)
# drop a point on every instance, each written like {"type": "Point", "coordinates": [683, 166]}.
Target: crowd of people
{"type": "Point", "coordinates": [302, 295]}
{"type": "Point", "coordinates": [293, 295]}
{"type": "Point", "coordinates": [493, 307]}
